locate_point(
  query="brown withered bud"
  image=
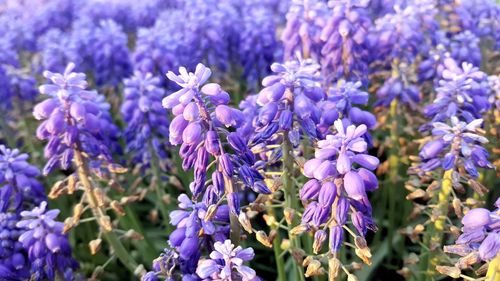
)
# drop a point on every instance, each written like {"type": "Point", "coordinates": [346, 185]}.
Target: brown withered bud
{"type": "Point", "coordinates": [77, 212]}
{"type": "Point", "coordinates": [419, 228]}
{"type": "Point", "coordinates": [142, 194]}
{"type": "Point", "coordinates": [405, 272]}
{"type": "Point", "coordinates": [299, 229]}
{"type": "Point", "coordinates": [128, 199]}
{"type": "Point", "coordinates": [362, 250]}
{"type": "Point", "coordinates": [68, 225]}
{"type": "Point", "coordinates": [115, 185]}
{"type": "Point", "coordinates": [272, 235]}
{"type": "Point", "coordinates": [72, 182]}
{"type": "Point", "coordinates": [410, 187]}
{"type": "Point", "coordinates": [117, 208]}
{"type": "Point", "coordinates": [95, 246]}
{"type": "Point", "coordinates": [175, 182]}
{"type": "Point", "coordinates": [469, 260]}
{"type": "Point", "coordinates": [289, 213]}
{"type": "Point", "coordinates": [457, 207]}
{"type": "Point", "coordinates": [117, 169]}
{"type": "Point", "coordinates": [452, 271]}
{"type": "Point", "coordinates": [471, 202]}
{"type": "Point", "coordinates": [418, 193]}
{"type": "Point", "coordinates": [167, 199]}
{"type": "Point", "coordinates": [356, 265]}
{"type": "Point", "coordinates": [314, 269]}
{"type": "Point", "coordinates": [100, 197]}
{"type": "Point", "coordinates": [251, 214]}
{"type": "Point", "coordinates": [307, 260]}
{"type": "Point", "coordinates": [298, 255]}
{"type": "Point", "coordinates": [57, 189]}
{"type": "Point", "coordinates": [105, 223]}
{"type": "Point", "coordinates": [412, 258]}
{"type": "Point", "coordinates": [263, 238]}
{"type": "Point", "coordinates": [435, 185]}
{"type": "Point", "coordinates": [133, 235]}
{"type": "Point", "coordinates": [417, 210]}
{"type": "Point", "coordinates": [211, 211]}
{"type": "Point", "coordinates": [333, 268]}
{"type": "Point", "coordinates": [270, 220]}
{"type": "Point", "coordinates": [319, 239]}
{"type": "Point", "coordinates": [274, 184]}
{"type": "Point", "coordinates": [245, 222]}
{"type": "Point", "coordinates": [477, 187]}
{"type": "Point", "coordinates": [153, 216]}
{"type": "Point", "coordinates": [285, 244]}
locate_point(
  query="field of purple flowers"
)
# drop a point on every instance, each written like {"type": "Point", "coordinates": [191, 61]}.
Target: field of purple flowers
{"type": "Point", "coordinates": [246, 140]}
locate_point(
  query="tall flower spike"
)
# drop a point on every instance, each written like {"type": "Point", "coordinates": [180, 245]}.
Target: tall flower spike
{"type": "Point", "coordinates": [48, 249]}
{"type": "Point", "coordinates": [147, 124]}
{"type": "Point", "coordinates": [13, 257]}
{"type": "Point", "coordinates": [18, 186]}
{"type": "Point", "coordinates": [339, 177]}
{"type": "Point", "coordinates": [73, 119]}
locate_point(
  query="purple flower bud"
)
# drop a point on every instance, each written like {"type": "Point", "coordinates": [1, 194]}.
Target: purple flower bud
{"type": "Point", "coordinates": [53, 242]}
{"type": "Point", "coordinates": [177, 237]}
{"type": "Point", "coordinates": [44, 109]}
{"type": "Point", "coordinates": [286, 120]}
{"type": "Point", "coordinates": [325, 170]}
{"type": "Point", "coordinates": [359, 117]}
{"type": "Point", "coordinates": [319, 240]}
{"type": "Point", "coordinates": [78, 111]}
{"type": "Point", "coordinates": [273, 93]}
{"type": "Point", "coordinates": [236, 142]}
{"type": "Point", "coordinates": [367, 161]}
{"type": "Point", "coordinates": [212, 143]}
{"type": "Point", "coordinates": [233, 201]}
{"type": "Point", "coordinates": [325, 153]}
{"type": "Point", "coordinates": [191, 112]}
{"type": "Point", "coordinates": [342, 209]}
{"type": "Point", "coordinates": [336, 238]}
{"type": "Point", "coordinates": [327, 194]}
{"type": "Point", "coordinates": [226, 165]}
{"type": "Point", "coordinates": [476, 218]}
{"type": "Point", "coordinates": [431, 149]}
{"type": "Point", "coordinates": [369, 179]}
{"type": "Point", "coordinates": [192, 133]}
{"type": "Point", "coordinates": [358, 221]}
{"type": "Point", "coordinates": [311, 166]}
{"type": "Point", "coordinates": [354, 185]}
{"type": "Point", "coordinates": [176, 130]}
{"type": "Point", "coordinates": [267, 113]}
{"type": "Point", "coordinates": [320, 214]}
{"type": "Point", "coordinates": [228, 116]}
{"type": "Point", "coordinates": [261, 187]}
{"type": "Point", "coordinates": [310, 190]}
{"type": "Point", "coordinates": [189, 247]}
{"type": "Point", "coordinates": [211, 89]}
{"type": "Point", "coordinates": [490, 247]}
{"type": "Point", "coordinates": [343, 163]}
{"type": "Point", "coordinates": [309, 212]}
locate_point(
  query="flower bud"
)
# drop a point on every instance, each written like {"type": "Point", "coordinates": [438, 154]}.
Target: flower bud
{"type": "Point", "coordinates": [319, 239]}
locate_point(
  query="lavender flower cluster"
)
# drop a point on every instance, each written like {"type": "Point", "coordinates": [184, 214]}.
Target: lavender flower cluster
{"type": "Point", "coordinates": [222, 130]}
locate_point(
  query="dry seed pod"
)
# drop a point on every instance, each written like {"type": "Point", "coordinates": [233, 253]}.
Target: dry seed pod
{"type": "Point", "coordinates": [68, 225]}
{"type": "Point", "coordinates": [117, 169]}
{"type": "Point", "coordinates": [72, 182]}
{"type": "Point", "coordinates": [245, 222]}
{"type": "Point", "coordinates": [133, 235]}
{"type": "Point", "coordinates": [333, 268]}
{"type": "Point", "coordinates": [105, 223]}
{"type": "Point", "coordinates": [57, 189]}
{"type": "Point", "coordinates": [314, 269]}
{"type": "Point", "coordinates": [100, 197]}
{"type": "Point", "coordinates": [77, 212]}
{"type": "Point", "coordinates": [116, 186]}
{"type": "Point", "coordinates": [298, 255]}
{"type": "Point", "coordinates": [356, 265]}
{"type": "Point", "coordinates": [299, 229]}
{"type": "Point", "coordinates": [289, 214]}
{"type": "Point", "coordinates": [270, 220]}
{"type": "Point", "coordinates": [457, 207]}
{"type": "Point", "coordinates": [419, 193]}
{"type": "Point", "coordinates": [451, 271]}
{"type": "Point", "coordinates": [115, 205]}
{"type": "Point", "coordinates": [263, 239]}
{"type": "Point", "coordinates": [95, 246]}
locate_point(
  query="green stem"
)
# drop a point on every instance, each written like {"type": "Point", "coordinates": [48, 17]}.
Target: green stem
{"type": "Point", "coordinates": [160, 192]}
{"type": "Point", "coordinates": [291, 198]}
{"type": "Point", "coordinates": [99, 212]}
{"type": "Point", "coordinates": [280, 259]}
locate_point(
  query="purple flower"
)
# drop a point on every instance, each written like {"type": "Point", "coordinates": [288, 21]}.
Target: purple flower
{"type": "Point", "coordinates": [340, 175]}
{"type": "Point", "coordinates": [13, 257]}
{"type": "Point", "coordinates": [49, 250]}
{"type": "Point", "coordinates": [147, 124]}
{"type": "Point", "coordinates": [479, 234]}
{"type": "Point", "coordinates": [18, 185]}
{"type": "Point", "coordinates": [75, 118]}
{"type": "Point", "coordinates": [224, 260]}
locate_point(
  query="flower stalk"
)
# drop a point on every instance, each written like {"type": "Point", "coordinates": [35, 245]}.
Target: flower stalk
{"type": "Point", "coordinates": [114, 242]}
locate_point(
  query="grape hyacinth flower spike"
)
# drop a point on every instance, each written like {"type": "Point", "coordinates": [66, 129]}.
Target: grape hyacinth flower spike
{"type": "Point", "coordinates": [77, 128]}
{"type": "Point", "coordinates": [340, 175]}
